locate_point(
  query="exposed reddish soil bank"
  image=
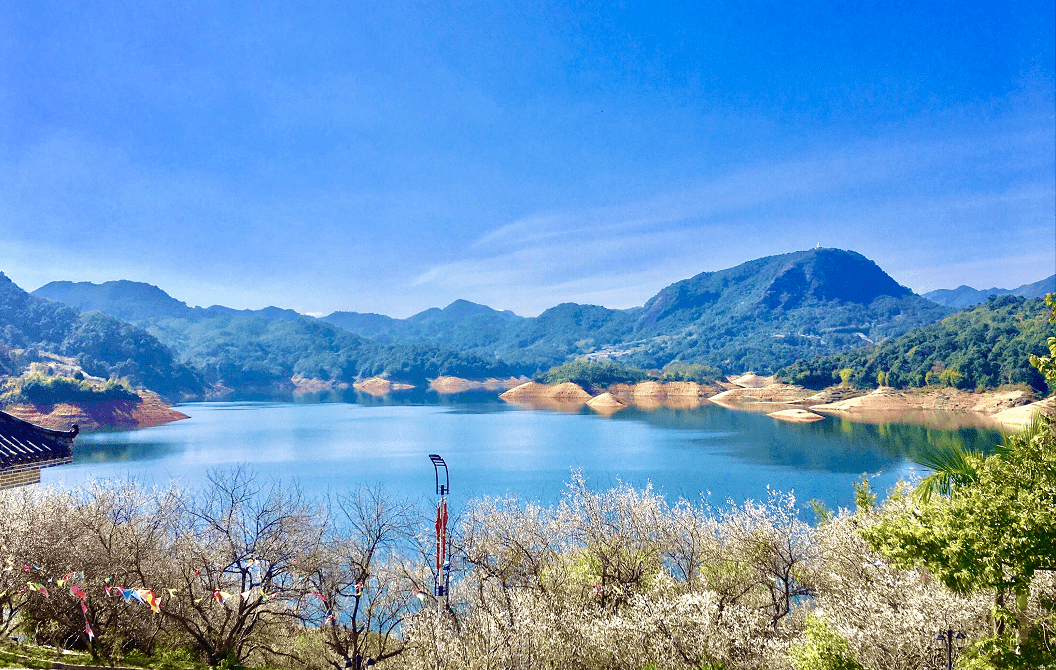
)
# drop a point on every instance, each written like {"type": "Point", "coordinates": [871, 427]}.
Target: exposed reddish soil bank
{"type": "Point", "coordinates": [151, 411]}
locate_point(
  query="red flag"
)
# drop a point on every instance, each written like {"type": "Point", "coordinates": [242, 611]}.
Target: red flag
{"type": "Point", "coordinates": [441, 534]}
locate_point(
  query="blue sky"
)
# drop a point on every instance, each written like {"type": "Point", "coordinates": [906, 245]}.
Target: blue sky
{"type": "Point", "coordinates": [395, 156]}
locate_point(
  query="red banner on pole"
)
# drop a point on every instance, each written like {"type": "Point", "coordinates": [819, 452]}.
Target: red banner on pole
{"type": "Point", "coordinates": [441, 534]}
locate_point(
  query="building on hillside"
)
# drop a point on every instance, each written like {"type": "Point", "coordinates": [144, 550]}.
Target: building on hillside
{"type": "Point", "coordinates": [26, 448]}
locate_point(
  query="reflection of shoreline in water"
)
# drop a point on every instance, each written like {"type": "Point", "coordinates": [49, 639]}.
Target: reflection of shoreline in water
{"type": "Point", "coordinates": [119, 448]}
{"type": "Point", "coordinates": [840, 443]}
{"type": "Point", "coordinates": [929, 418]}
{"type": "Point", "coordinates": [646, 403]}
{"type": "Point", "coordinates": [498, 449]}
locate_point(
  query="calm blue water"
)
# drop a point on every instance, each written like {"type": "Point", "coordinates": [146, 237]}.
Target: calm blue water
{"type": "Point", "coordinates": [493, 449]}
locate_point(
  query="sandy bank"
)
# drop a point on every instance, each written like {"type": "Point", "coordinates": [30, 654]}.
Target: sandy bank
{"type": "Point", "coordinates": [751, 381]}
{"type": "Point", "coordinates": [150, 411]}
{"type": "Point", "coordinates": [796, 416]}
{"type": "Point", "coordinates": [1008, 410]}
{"type": "Point", "coordinates": [774, 393]}
{"type": "Point", "coordinates": [379, 386]}
{"type": "Point", "coordinates": [1015, 418]}
{"type": "Point", "coordinates": [449, 385]}
{"type": "Point", "coordinates": [303, 385]}
{"type": "Point", "coordinates": [646, 395]}
{"type": "Point", "coordinates": [606, 403]}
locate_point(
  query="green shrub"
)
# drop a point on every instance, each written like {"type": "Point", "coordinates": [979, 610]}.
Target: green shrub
{"type": "Point", "coordinates": [592, 374]}
{"type": "Point", "coordinates": [51, 390]}
{"type": "Point", "coordinates": [823, 649]}
{"type": "Point", "coordinates": [701, 374]}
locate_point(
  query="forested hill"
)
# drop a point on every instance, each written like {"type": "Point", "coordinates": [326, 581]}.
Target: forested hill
{"type": "Point", "coordinates": [262, 355]}
{"type": "Point", "coordinates": [765, 313]}
{"type": "Point", "coordinates": [102, 345]}
{"type": "Point", "coordinates": [760, 315]}
{"type": "Point", "coordinates": [985, 346]}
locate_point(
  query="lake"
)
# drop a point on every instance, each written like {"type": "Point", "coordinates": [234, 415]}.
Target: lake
{"type": "Point", "coordinates": [493, 448]}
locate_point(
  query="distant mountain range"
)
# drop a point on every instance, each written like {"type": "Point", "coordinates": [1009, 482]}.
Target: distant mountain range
{"type": "Point", "coordinates": [136, 301]}
{"type": "Point", "coordinates": [966, 296]}
{"type": "Point", "coordinates": [760, 315]}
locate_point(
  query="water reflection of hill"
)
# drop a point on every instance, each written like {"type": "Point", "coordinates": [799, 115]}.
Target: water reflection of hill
{"type": "Point", "coordinates": [117, 447]}
{"type": "Point", "coordinates": [833, 445]}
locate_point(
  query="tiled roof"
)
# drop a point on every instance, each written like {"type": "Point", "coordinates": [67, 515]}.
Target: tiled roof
{"type": "Point", "coordinates": [22, 444]}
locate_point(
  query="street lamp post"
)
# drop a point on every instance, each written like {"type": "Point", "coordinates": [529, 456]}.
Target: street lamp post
{"type": "Point", "coordinates": [442, 585]}
{"type": "Point", "coordinates": [948, 636]}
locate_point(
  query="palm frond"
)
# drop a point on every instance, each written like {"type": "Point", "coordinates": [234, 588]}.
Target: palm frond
{"type": "Point", "coordinates": [951, 466]}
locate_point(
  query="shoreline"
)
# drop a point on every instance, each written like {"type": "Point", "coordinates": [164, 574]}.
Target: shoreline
{"type": "Point", "coordinates": [150, 411]}
{"type": "Point", "coordinates": [950, 408]}
{"type": "Point", "coordinates": [1007, 410]}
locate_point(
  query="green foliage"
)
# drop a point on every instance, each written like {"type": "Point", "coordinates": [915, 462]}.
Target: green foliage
{"type": "Point", "coordinates": [1046, 365]}
{"type": "Point", "coordinates": [993, 528]}
{"type": "Point", "coordinates": [864, 497]}
{"type": "Point", "coordinates": [994, 531]}
{"type": "Point", "coordinates": [699, 373]}
{"type": "Point", "coordinates": [823, 649]}
{"type": "Point", "coordinates": [983, 347]}
{"type": "Point", "coordinates": [593, 374]}
{"type": "Point", "coordinates": [51, 390]}
{"type": "Point", "coordinates": [951, 467]}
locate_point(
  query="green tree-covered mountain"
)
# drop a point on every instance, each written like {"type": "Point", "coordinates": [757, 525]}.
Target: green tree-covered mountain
{"type": "Point", "coordinates": [243, 350]}
{"type": "Point", "coordinates": [760, 315]}
{"type": "Point", "coordinates": [985, 346]}
{"type": "Point", "coordinates": [254, 354]}
{"type": "Point", "coordinates": [966, 296]}
{"type": "Point", "coordinates": [102, 345]}
{"type": "Point", "coordinates": [764, 313]}
{"type": "Point", "coordinates": [528, 345]}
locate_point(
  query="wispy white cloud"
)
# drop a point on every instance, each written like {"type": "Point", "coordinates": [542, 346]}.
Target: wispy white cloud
{"type": "Point", "coordinates": [886, 200]}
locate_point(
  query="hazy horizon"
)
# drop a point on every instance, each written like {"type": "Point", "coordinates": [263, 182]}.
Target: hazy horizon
{"type": "Point", "coordinates": [393, 157]}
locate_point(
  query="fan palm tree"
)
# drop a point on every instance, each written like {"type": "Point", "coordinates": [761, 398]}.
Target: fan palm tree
{"type": "Point", "coordinates": [952, 465]}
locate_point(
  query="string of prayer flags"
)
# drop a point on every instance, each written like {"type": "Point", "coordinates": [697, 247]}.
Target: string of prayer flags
{"type": "Point", "coordinates": [40, 588]}
{"type": "Point", "coordinates": [245, 594]}
{"type": "Point", "coordinates": [153, 600]}
{"type": "Point", "coordinates": [88, 631]}
{"type": "Point", "coordinates": [78, 591]}
{"type": "Point", "coordinates": [222, 596]}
